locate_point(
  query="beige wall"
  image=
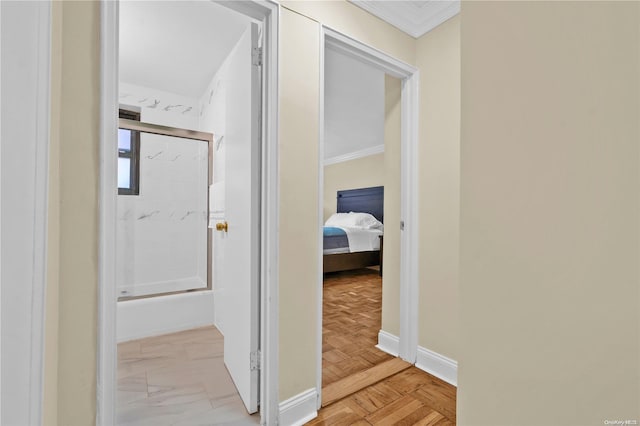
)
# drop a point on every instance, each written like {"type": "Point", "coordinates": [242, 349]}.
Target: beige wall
{"type": "Point", "coordinates": [359, 173]}
{"type": "Point", "coordinates": [298, 157]}
{"type": "Point", "coordinates": [438, 57]}
{"type": "Point", "coordinates": [549, 213]}
{"type": "Point", "coordinates": [74, 214]}
{"type": "Point", "coordinates": [391, 254]}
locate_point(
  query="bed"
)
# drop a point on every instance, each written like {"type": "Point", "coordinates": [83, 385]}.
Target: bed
{"type": "Point", "coordinates": [352, 239]}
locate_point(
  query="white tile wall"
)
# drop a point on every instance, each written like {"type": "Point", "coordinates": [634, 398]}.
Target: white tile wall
{"type": "Point", "coordinates": [162, 232]}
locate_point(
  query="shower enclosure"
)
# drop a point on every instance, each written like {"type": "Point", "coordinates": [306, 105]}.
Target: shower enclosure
{"type": "Point", "coordinates": [163, 237]}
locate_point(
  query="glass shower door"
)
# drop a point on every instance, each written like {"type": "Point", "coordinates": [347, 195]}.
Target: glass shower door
{"type": "Point", "coordinates": [163, 240]}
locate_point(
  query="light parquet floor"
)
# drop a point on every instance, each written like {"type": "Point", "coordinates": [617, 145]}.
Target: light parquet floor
{"type": "Point", "coordinates": [177, 379]}
{"type": "Point", "coordinates": [351, 321]}
{"type": "Point", "coordinates": [411, 397]}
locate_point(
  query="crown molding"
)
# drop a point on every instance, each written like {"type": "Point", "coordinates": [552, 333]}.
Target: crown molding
{"type": "Point", "coordinates": [415, 18]}
{"type": "Point", "coordinates": [378, 149]}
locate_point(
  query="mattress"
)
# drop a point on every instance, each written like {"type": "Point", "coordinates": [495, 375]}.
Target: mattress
{"type": "Point", "coordinates": [350, 240]}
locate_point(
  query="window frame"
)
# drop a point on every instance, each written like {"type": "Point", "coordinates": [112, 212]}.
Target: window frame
{"type": "Point", "coordinates": [133, 155]}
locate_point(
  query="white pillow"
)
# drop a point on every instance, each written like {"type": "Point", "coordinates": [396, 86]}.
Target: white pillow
{"type": "Point", "coordinates": [354, 220]}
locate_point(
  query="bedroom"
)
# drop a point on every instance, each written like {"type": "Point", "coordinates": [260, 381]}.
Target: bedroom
{"type": "Point", "coordinates": [361, 195]}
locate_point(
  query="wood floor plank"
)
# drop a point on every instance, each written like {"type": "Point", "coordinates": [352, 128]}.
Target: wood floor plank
{"type": "Point", "coordinates": [339, 413]}
{"type": "Point", "coordinates": [432, 419]}
{"type": "Point", "coordinates": [352, 318]}
{"type": "Point", "coordinates": [361, 380]}
{"type": "Point", "coordinates": [396, 412]}
{"type": "Point", "coordinates": [433, 398]}
{"type": "Point", "coordinates": [375, 397]}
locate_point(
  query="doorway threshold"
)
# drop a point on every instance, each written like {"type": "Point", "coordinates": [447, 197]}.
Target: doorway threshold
{"type": "Point", "coordinates": [358, 381]}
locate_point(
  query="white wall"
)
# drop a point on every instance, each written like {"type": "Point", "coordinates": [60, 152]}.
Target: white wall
{"type": "Point", "coordinates": [24, 150]}
{"type": "Point", "coordinates": [159, 106]}
{"type": "Point", "coordinates": [212, 118]}
{"type": "Point", "coordinates": [354, 106]}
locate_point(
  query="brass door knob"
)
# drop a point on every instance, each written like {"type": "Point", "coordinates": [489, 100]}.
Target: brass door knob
{"type": "Point", "coordinates": [222, 226]}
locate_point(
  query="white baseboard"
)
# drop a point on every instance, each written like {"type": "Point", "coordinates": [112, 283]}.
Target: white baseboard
{"type": "Point", "coordinates": [164, 314]}
{"type": "Point", "coordinates": [438, 365]}
{"type": "Point", "coordinates": [388, 343]}
{"type": "Point", "coordinates": [299, 409]}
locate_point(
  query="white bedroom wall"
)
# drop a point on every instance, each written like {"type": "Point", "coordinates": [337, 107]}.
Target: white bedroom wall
{"type": "Point", "coordinates": [354, 106]}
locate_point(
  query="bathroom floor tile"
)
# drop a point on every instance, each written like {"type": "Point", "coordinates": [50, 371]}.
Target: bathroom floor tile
{"type": "Point", "coordinates": [178, 379]}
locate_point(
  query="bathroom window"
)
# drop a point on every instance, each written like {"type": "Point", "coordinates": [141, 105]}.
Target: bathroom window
{"type": "Point", "coordinates": [128, 157]}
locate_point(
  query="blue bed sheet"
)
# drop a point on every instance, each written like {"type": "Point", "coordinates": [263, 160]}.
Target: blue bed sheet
{"type": "Point", "coordinates": [334, 238]}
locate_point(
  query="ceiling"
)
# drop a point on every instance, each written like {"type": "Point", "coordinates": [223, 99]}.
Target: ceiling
{"type": "Point", "coordinates": [414, 17]}
{"type": "Point", "coordinates": [176, 46]}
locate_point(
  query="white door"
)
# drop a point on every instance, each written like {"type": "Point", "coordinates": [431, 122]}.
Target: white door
{"type": "Point", "coordinates": [242, 193]}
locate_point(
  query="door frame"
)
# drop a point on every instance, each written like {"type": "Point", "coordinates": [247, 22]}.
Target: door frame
{"type": "Point", "coordinates": [22, 346]}
{"type": "Point", "coordinates": [409, 75]}
{"type": "Point", "coordinates": [268, 12]}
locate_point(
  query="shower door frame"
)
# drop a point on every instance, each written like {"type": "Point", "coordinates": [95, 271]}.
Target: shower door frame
{"type": "Point", "coordinates": [157, 129]}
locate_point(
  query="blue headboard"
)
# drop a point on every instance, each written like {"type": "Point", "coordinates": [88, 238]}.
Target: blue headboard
{"type": "Point", "coordinates": [363, 200]}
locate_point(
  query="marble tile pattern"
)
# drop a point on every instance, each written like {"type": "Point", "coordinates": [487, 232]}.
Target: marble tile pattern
{"type": "Point", "coordinates": [178, 379]}
{"type": "Point", "coordinates": [162, 232]}
{"type": "Point", "coordinates": [168, 103]}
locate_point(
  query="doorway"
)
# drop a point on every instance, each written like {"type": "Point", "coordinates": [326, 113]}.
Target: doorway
{"type": "Point", "coordinates": [186, 85]}
{"type": "Point", "coordinates": [404, 344]}
{"type": "Point", "coordinates": [361, 188]}
{"type": "Point", "coordinates": [260, 65]}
